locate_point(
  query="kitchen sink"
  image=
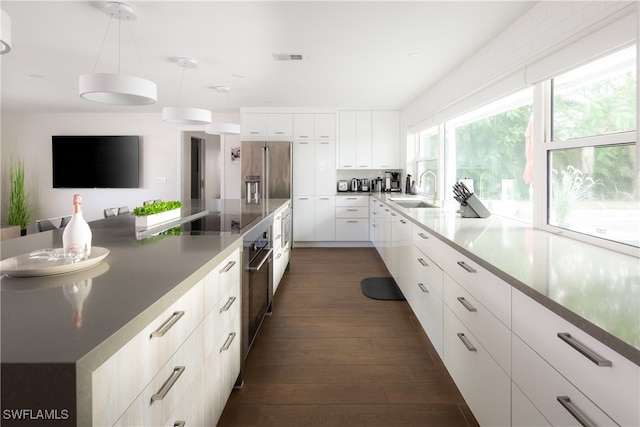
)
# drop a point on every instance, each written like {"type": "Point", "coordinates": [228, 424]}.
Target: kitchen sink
{"type": "Point", "coordinates": [412, 203]}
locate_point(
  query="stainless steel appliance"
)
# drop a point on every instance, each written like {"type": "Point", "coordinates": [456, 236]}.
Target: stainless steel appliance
{"type": "Point", "coordinates": [391, 182]}
{"type": "Point", "coordinates": [343, 185]}
{"type": "Point", "coordinates": [270, 163]}
{"type": "Point", "coordinates": [252, 189]}
{"type": "Point", "coordinates": [257, 285]}
{"type": "Point", "coordinates": [355, 184]}
{"type": "Point", "coordinates": [364, 185]}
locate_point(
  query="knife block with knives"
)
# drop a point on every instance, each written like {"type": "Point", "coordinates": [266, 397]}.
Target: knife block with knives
{"type": "Point", "coordinates": [470, 205]}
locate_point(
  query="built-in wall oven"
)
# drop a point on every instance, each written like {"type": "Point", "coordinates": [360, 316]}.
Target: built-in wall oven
{"type": "Point", "coordinates": [257, 284]}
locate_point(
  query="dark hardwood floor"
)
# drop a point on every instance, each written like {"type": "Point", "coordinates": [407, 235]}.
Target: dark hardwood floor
{"type": "Point", "coordinates": [329, 356]}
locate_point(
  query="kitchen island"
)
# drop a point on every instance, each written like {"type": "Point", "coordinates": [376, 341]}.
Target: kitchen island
{"type": "Point", "coordinates": [58, 331]}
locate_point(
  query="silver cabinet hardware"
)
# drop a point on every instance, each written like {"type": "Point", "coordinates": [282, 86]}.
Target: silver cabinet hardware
{"type": "Point", "coordinates": [227, 342]}
{"type": "Point", "coordinates": [467, 267]}
{"type": "Point", "coordinates": [424, 236]}
{"type": "Point", "coordinates": [279, 132]}
{"type": "Point", "coordinates": [164, 328]}
{"type": "Point", "coordinates": [253, 132]}
{"type": "Point", "coordinates": [423, 262]}
{"type": "Point", "coordinates": [179, 424]}
{"type": "Point", "coordinates": [303, 136]}
{"type": "Point", "coordinates": [393, 214]}
{"type": "Point", "coordinates": [228, 267]}
{"type": "Point", "coordinates": [324, 198]}
{"type": "Point", "coordinates": [466, 342]}
{"type": "Point", "coordinates": [279, 255]}
{"type": "Point", "coordinates": [262, 261]}
{"type": "Point", "coordinates": [580, 416]}
{"type": "Point", "coordinates": [347, 166]}
{"type": "Point", "coordinates": [304, 143]}
{"type": "Point", "coordinates": [364, 166]}
{"type": "Point", "coordinates": [228, 305]}
{"type": "Point", "coordinates": [352, 198]}
{"type": "Point", "coordinates": [324, 143]}
{"type": "Point", "coordinates": [584, 350]}
{"type": "Point", "coordinates": [352, 210]}
{"type": "Point", "coordinates": [352, 221]}
{"type": "Point", "coordinates": [467, 305]}
{"type": "Point", "coordinates": [423, 288]}
{"type": "Point", "coordinates": [277, 237]}
{"type": "Point", "coordinates": [303, 198]}
{"type": "Point", "coordinates": [175, 374]}
{"type": "Point", "coordinates": [403, 221]}
{"type": "Point", "coordinates": [324, 136]}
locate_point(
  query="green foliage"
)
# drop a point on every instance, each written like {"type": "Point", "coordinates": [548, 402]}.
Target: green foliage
{"type": "Point", "coordinates": [19, 209]}
{"type": "Point", "coordinates": [571, 187]}
{"type": "Point", "coordinates": [156, 207]}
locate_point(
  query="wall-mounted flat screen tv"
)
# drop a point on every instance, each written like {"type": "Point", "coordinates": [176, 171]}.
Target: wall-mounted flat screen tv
{"type": "Point", "coordinates": [96, 161]}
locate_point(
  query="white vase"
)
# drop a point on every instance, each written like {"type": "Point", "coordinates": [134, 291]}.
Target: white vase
{"type": "Point", "coordinates": [148, 221]}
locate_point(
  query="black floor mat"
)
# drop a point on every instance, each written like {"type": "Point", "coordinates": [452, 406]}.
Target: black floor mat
{"type": "Point", "coordinates": [382, 288]}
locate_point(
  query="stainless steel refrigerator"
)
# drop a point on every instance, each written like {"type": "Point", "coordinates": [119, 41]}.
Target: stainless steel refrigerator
{"type": "Point", "coordinates": [267, 167]}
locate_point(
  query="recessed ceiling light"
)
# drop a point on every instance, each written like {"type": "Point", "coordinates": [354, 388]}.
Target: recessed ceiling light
{"type": "Point", "coordinates": [222, 89]}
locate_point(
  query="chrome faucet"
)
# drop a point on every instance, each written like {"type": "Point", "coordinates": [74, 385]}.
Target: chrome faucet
{"type": "Point", "coordinates": [435, 183]}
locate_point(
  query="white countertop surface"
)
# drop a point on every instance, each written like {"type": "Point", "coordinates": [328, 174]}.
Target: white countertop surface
{"type": "Point", "coordinates": [579, 281]}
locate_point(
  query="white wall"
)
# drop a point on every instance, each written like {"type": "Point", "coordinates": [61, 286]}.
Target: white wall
{"type": "Point", "coordinates": [29, 136]}
{"type": "Point", "coordinates": [501, 65]}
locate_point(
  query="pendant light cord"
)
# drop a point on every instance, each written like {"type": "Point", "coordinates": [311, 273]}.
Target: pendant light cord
{"type": "Point", "coordinates": [180, 87]}
{"type": "Point", "coordinates": [104, 39]}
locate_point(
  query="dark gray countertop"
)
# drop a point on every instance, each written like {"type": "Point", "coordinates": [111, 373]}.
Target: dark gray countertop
{"type": "Point", "coordinates": [138, 280]}
{"type": "Point", "coordinates": [596, 289]}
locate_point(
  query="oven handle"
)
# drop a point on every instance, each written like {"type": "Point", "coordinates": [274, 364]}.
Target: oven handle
{"type": "Point", "coordinates": [262, 261]}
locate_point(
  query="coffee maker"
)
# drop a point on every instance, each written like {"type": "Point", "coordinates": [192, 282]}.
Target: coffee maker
{"type": "Point", "coordinates": [391, 182]}
{"type": "Point", "coordinates": [364, 185]}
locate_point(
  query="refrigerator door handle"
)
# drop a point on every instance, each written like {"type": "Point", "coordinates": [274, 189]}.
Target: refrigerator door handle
{"type": "Point", "coordinates": [265, 172]}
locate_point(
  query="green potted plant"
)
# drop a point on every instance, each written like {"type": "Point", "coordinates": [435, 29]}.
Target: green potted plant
{"type": "Point", "coordinates": [19, 209]}
{"type": "Point", "coordinates": [156, 213]}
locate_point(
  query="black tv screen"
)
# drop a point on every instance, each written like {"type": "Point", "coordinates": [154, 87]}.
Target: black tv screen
{"type": "Point", "coordinates": [95, 161]}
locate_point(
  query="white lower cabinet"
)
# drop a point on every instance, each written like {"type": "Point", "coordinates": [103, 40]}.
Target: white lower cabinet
{"type": "Point", "coordinates": [556, 398]}
{"type": "Point", "coordinates": [352, 218]}
{"type": "Point", "coordinates": [484, 385]}
{"type": "Point", "coordinates": [325, 219]}
{"type": "Point", "coordinates": [609, 380]}
{"type": "Point", "coordinates": [162, 395]}
{"type": "Point", "coordinates": [523, 412]}
{"type": "Point", "coordinates": [424, 295]}
{"type": "Point", "coordinates": [303, 218]}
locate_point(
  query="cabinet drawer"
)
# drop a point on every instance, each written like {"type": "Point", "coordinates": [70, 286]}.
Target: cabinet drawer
{"type": "Point", "coordinates": [352, 201]}
{"type": "Point", "coordinates": [429, 272]}
{"type": "Point", "coordinates": [117, 382]}
{"type": "Point", "coordinates": [225, 275]}
{"type": "Point", "coordinates": [352, 212]}
{"type": "Point", "coordinates": [352, 230]}
{"type": "Point", "coordinates": [483, 384]}
{"type": "Point", "coordinates": [489, 290]}
{"type": "Point", "coordinates": [614, 388]}
{"type": "Point", "coordinates": [545, 387]}
{"type": "Point", "coordinates": [523, 412]}
{"type": "Point", "coordinates": [425, 241]}
{"type": "Point", "coordinates": [495, 337]}
{"type": "Point", "coordinates": [190, 409]}
{"type": "Point", "coordinates": [161, 396]}
{"type": "Point", "coordinates": [218, 321]}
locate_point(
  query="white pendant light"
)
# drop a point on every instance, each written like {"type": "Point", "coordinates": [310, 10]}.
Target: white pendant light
{"type": "Point", "coordinates": [117, 89]}
{"type": "Point", "coordinates": [186, 115]}
{"type": "Point", "coordinates": [223, 128]}
{"type": "Point", "coordinates": [5, 33]}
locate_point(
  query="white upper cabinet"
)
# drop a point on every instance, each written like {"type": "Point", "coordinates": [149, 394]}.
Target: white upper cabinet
{"type": "Point", "coordinates": [385, 139]}
{"type": "Point", "coordinates": [303, 126]}
{"type": "Point", "coordinates": [355, 140]}
{"type": "Point", "coordinates": [280, 125]}
{"type": "Point", "coordinates": [321, 126]}
{"type": "Point", "coordinates": [325, 126]}
{"type": "Point", "coordinates": [271, 126]}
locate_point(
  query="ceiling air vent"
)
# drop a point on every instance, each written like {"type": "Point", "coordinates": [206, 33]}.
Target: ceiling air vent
{"type": "Point", "coordinates": [288, 56]}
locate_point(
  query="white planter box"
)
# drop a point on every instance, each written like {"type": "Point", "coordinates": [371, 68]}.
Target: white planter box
{"type": "Point", "coordinates": [145, 222]}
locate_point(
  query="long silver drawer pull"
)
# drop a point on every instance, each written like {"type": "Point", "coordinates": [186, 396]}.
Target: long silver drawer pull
{"type": "Point", "coordinates": [467, 267]}
{"type": "Point", "coordinates": [466, 342]}
{"type": "Point", "coordinates": [423, 262]}
{"type": "Point", "coordinates": [228, 267]}
{"type": "Point", "coordinates": [424, 236]}
{"type": "Point", "coordinates": [352, 210]}
{"type": "Point", "coordinates": [467, 305]}
{"type": "Point", "coordinates": [164, 328]}
{"type": "Point", "coordinates": [262, 261]}
{"type": "Point", "coordinates": [353, 221]}
{"type": "Point", "coordinates": [584, 350]}
{"type": "Point", "coordinates": [228, 342]}
{"type": "Point", "coordinates": [179, 424]}
{"type": "Point", "coordinates": [228, 305]}
{"type": "Point", "coordinates": [423, 288]}
{"type": "Point", "coordinates": [580, 416]}
{"type": "Point", "coordinates": [177, 371]}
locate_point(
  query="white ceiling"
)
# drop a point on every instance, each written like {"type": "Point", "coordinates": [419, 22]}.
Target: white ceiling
{"type": "Point", "coordinates": [357, 54]}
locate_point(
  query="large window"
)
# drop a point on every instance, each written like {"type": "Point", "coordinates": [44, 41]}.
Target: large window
{"type": "Point", "coordinates": [592, 179]}
{"type": "Point", "coordinates": [492, 146]}
{"type": "Point", "coordinates": [428, 162]}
